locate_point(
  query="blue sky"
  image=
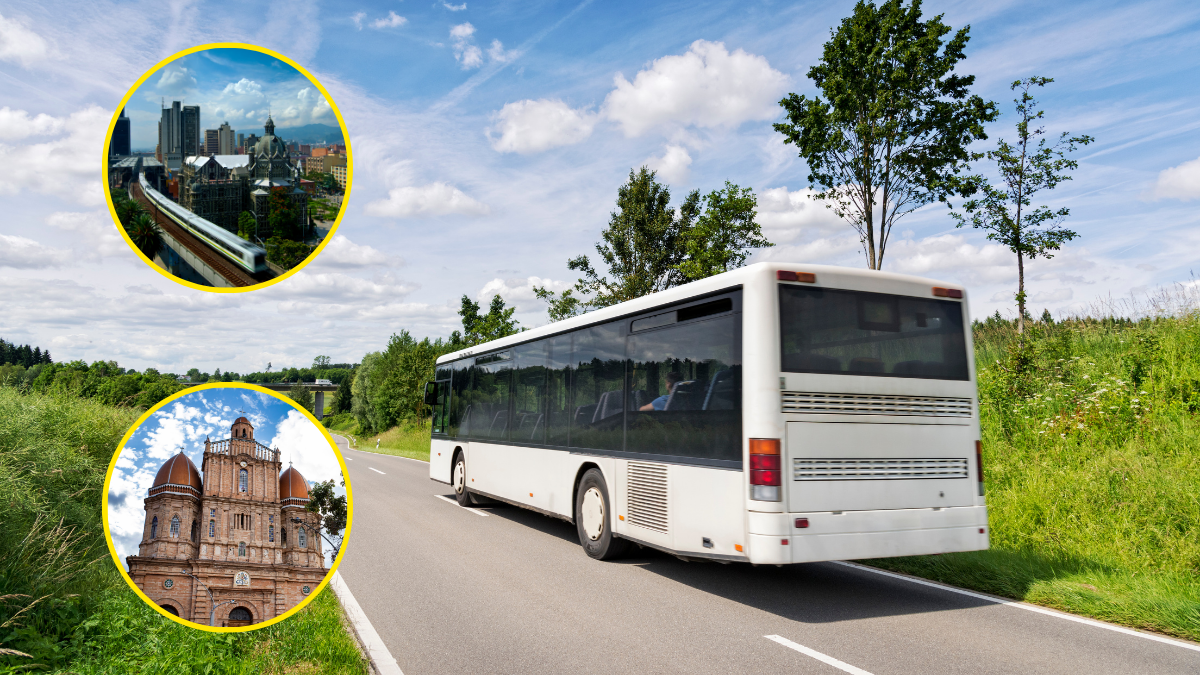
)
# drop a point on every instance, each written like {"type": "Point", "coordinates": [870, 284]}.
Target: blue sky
{"type": "Point", "coordinates": [184, 424]}
{"type": "Point", "coordinates": [239, 86]}
{"type": "Point", "coordinates": [489, 142]}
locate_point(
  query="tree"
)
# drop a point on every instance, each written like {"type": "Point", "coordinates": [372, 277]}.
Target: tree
{"type": "Point", "coordinates": [892, 131]}
{"type": "Point", "coordinates": [342, 398]}
{"type": "Point", "coordinates": [497, 323]}
{"type": "Point", "coordinates": [301, 395]}
{"type": "Point", "coordinates": [144, 234]}
{"type": "Point", "coordinates": [722, 236]}
{"type": "Point", "coordinates": [1028, 167]}
{"type": "Point", "coordinates": [331, 513]}
{"type": "Point", "coordinates": [283, 219]}
{"type": "Point", "coordinates": [321, 362]}
{"type": "Point", "coordinates": [246, 225]}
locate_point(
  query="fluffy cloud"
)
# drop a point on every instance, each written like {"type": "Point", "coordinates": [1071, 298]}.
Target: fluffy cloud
{"type": "Point", "coordinates": [454, 8]}
{"type": "Point", "coordinates": [950, 255]}
{"type": "Point", "coordinates": [19, 44]}
{"type": "Point", "coordinates": [303, 446]}
{"type": "Point", "coordinates": [357, 18]}
{"type": "Point", "coordinates": [94, 230]}
{"type": "Point", "coordinates": [175, 80]}
{"type": "Point", "coordinates": [465, 51]}
{"type": "Point", "coordinates": [673, 165]}
{"type": "Point", "coordinates": [66, 166]}
{"type": "Point", "coordinates": [341, 252]}
{"type": "Point", "coordinates": [23, 253]}
{"type": "Point", "coordinates": [532, 126]}
{"type": "Point", "coordinates": [392, 20]}
{"type": "Point", "coordinates": [434, 199]}
{"type": "Point", "coordinates": [786, 216]}
{"type": "Point", "coordinates": [18, 124]}
{"type": "Point", "coordinates": [518, 292]}
{"type": "Point", "coordinates": [499, 54]}
{"type": "Point", "coordinates": [1179, 182]}
{"type": "Point", "coordinates": [706, 87]}
{"type": "Point", "coordinates": [334, 288]}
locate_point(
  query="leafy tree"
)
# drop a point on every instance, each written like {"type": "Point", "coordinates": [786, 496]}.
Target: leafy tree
{"type": "Point", "coordinates": [342, 398]}
{"type": "Point", "coordinates": [331, 511]}
{"type": "Point", "coordinates": [246, 225]}
{"type": "Point", "coordinates": [286, 253]}
{"type": "Point", "coordinates": [363, 404]}
{"type": "Point", "coordinates": [321, 362]}
{"type": "Point", "coordinates": [144, 233]}
{"type": "Point", "coordinates": [127, 210]}
{"type": "Point", "coordinates": [497, 323]}
{"type": "Point", "coordinates": [892, 131]}
{"type": "Point", "coordinates": [283, 219]}
{"type": "Point", "coordinates": [1028, 167]}
{"type": "Point", "coordinates": [721, 238]}
{"type": "Point", "coordinates": [301, 395]}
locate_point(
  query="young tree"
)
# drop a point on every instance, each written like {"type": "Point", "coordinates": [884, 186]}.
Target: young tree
{"type": "Point", "coordinates": [342, 398]}
{"type": "Point", "coordinates": [144, 233]}
{"type": "Point", "coordinates": [722, 237]}
{"type": "Point", "coordinates": [892, 131]}
{"type": "Point", "coordinates": [246, 225]}
{"type": "Point", "coordinates": [321, 362]}
{"type": "Point", "coordinates": [497, 323]}
{"type": "Point", "coordinates": [283, 217]}
{"type": "Point", "coordinates": [301, 395]}
{"type": "Point", "coordinates": [331, 511]}
{"type": "Point", "coordinates": [1028, 167]}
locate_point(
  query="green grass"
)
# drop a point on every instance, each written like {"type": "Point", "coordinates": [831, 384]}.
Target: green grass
{"type": "Point", "coordinates": [63, 605]}
{"type": "Point", "coordinates": [405, 440]}
{"type": "Point", "coordinates": [1092, 463]}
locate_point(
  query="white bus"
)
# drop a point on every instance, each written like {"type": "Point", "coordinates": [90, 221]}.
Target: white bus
{"type": "Point", "coordinates": [773, 414]}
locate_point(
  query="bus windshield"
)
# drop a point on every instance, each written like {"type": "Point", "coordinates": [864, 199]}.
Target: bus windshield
{"type": "Point", "coordinates": [856, 333]}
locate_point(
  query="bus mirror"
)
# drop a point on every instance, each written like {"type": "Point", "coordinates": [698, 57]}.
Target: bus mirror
{"type": "Point", "coordinates": [430, 393]}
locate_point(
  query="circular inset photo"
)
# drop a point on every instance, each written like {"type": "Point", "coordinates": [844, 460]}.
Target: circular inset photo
{"type": "Point", "coordinates": [226, 507]}
{"type": "Point", "coordinates": [227, 167]}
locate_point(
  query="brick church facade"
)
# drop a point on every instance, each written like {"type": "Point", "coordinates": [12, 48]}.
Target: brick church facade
{"type": "Point", "coordinates": [237, 529]}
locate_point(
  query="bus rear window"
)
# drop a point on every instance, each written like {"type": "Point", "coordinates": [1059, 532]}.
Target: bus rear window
{"type": "Point", "coordinates": [825, 330]}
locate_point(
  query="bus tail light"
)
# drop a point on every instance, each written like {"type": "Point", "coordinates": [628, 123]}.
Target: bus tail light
{"type": "Point", "coordinates": [947, 292]}
{"type": "Point", "coordinates": [804, 277]}
{"type": "Point", "coordinates": [979, 464]}
{"type": "Point", "coordinates": [766, 475]}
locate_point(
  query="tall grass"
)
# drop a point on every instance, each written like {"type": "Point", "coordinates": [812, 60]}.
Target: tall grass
{"type": "Point", "coordinates": [63, 605]}
{"type": "Point", "coordinates": [406, 440]}
{"type": "Point", "coordinates": [1091, 432]}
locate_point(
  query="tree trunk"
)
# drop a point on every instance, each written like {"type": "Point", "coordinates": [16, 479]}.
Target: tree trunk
{"type": "Point", "coordinates": [1021, 296]}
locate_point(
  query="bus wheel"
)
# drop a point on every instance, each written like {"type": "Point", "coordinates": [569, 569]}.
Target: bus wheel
{"type": "Point", "coordinates": [459, 481]}
{"type": "Point", "coordinates": [593, 518]}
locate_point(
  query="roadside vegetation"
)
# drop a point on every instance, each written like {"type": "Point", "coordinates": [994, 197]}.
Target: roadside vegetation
{"type": "Point", "coordinates": [63, 605]}
{"type": "Point", "coordinates": [1091, 442]}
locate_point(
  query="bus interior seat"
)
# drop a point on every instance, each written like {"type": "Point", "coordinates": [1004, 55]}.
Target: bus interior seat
{"type": "Point", "coordinates": [638, 398]}
{"type": "Point", "coordinates": [608, 405]}
{"type": "Point", "coordinates": [720, 391]}
{"type": "Point", "coordinates": [865, 364]}
{"type": "Point", "coordinates": [537, 427]}
{"type": "Point", "coordinates": [499, 424]}
{"type": "Point", "coordinates": [682, 396]}
{"type": "Point", "coordinates": [583, 415]}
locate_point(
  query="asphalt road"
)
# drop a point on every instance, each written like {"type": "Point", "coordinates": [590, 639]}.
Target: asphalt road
{"type": "Point", "coordinates": [453, 591]}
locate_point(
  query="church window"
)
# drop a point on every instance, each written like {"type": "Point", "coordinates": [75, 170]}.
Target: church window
{"type": "Point", "coordinates": [283, 536]}
{"type": "Point", "coordinates": [195, 530]}
{"type": "Point", "coordinates": [242, 480]}
{"type": "Point", "coordinates": [175, 526]}
{"type": "Point", "coordinates": [212, 529]}
{"type": "Point", "coordinates": [241, 548]}
{"type": "Point", "coordinates": [154, 528]}
{"type": "Point", "coordinates": [271, 533]}
{"type": "Point", "coordinates": [212, 512]}
{"type": "Point", "coordinates": [302, 538]}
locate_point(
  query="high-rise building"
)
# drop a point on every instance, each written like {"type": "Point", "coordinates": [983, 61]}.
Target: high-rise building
{"type": "Point", "coordinates": [241, 142]}
{"type": "Point", "coordinates": [169, 137]}
{"type": "Point", "coordinates": [225, 139]}
{"type": "Point", "coordinates": [190, 131]}
{"type": "Point", "coordinates": [119, 144]}
{"type": "Point", "coordinates": [212, 144]}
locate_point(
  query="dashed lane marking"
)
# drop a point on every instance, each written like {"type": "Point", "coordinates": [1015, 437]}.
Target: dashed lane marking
{"type": "Point", "coordinates": [451, 501]}
{"type": "Point", "coordinates": [824, 658]}
{"type": "Point", "coordinates": [376, 470]}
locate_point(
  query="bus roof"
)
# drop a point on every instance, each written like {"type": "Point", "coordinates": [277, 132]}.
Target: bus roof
{"type": "Point", "coordinates": [830, 276]}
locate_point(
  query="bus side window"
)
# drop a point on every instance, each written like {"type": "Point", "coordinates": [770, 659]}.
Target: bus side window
{"type": "Point", "coordinates": [558, 408]}
{"type": "Point", "coordinates": [598, 388]}
{"type": "Point", "coordinates": [529, 393]}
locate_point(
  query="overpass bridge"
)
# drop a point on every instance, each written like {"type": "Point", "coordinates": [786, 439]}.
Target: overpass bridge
{"type": "Point", "coordinates": [318, 391]}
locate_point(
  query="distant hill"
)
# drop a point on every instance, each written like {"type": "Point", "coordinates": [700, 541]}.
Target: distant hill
{"type": "Point", "coordinates": [309, 133]}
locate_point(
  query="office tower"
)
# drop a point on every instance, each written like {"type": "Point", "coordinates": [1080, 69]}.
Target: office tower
{"type": "Point", "coordinates": [212, 145]}
{"type": "Point", "coordinates": [189, 131]}
{"type": "Point", "coordinates": [119, 144]}
{"type": "Point", "coordinates": [225, 139]}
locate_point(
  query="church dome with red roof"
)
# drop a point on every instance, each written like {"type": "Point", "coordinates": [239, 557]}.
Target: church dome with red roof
{"type": "Point", "coordinates": [292, 485]}
{"type": "Point", "coordinates": [176, 475]}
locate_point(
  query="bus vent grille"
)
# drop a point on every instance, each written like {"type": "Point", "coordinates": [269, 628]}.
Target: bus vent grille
{"type": "Point", "coordinates": [871, 404]}
{"type": "Point", "coordinates": [878, 469]}
{"type": "Point", "coordinates": [647, 501]}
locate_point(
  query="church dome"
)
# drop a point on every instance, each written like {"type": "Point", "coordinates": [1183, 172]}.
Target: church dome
{"type": "Point", "coordinates": [270, 144]}
{"type": "Point", "coordinates": [178, 470]}
{"type": "Point", "coordinates": [292, 485]}
{"type": "Point", "coordinates": [241, 420]}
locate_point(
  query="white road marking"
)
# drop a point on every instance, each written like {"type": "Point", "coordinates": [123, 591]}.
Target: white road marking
{"type": "Point", "coordinates": [451, 501]}
{"type": "Point", "coordinates": [377, 652]}
{"type": "Point", "coordinates": [349, 459]}
{"type": "Point", "coordinates": [1026, 606]}
{"type": "Point", "coordinates": [817, 655]}
{"type": "Point", "coordinates": [376, 470]}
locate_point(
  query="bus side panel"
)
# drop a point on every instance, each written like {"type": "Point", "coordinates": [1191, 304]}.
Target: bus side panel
{"type": "Point", "coordinates": [639, 519]}
{"type": "Point", "coordinates": [707, 503]}
{"type": "Point", "coordinates": [537, 477]}
{"type": "Point", "coordinates": [441, 454]}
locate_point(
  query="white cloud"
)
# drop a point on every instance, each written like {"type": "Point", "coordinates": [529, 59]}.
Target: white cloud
{"type": "Point", "coordinates": [17, 124]}
{"type": "Point", "coordinates": [786, 216]}
{"type": "Point", "coordinates": [434, 199]}
{"type": "Point", "coordinates": [392, 20]}
{"type": "Point", "coordinates": [533, 126]}
{"type": "Point", "coordinates": [1179, 182]}
{"type": "Point", "coordinates": [341, 252]}
{"type": "Point", "coordinates": [175, 80]}
{"type": "Point", "coordinates": [95, 230]}
{"type": "Point", "coordinates": [673, 165]}
{"type": "Point", "coordinates": [302, 446]}
{"type": "Point", "coordinates": [23, 253]}
{"type": "Point", "coordinates": [19, 44]}
{"type": "Point", "coordinates": [706, 87]}
{"type": "Point", "coordinates": [951, 256]}
{"type": "Point", "coordinates": [518, 292]}
{"type": "Point", "coordinates": [465, 52]}
{"type": "Point", "coordinates": [357, 18]}
{"type": "Point", "coordinates": [499, 54]}
{"type": "Point", "coordinates": [67, 166]}
{"type": "Point", "coordinates": [454, 8]}
{"type": "Point", "coordinates": [334, 288]}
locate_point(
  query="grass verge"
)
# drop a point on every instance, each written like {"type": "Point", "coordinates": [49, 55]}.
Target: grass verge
{"type": "Point", "coordinates": [406, 440]}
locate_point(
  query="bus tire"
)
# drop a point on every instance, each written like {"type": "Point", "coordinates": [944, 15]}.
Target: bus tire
{"type": "Point", "coordinates": [593, 518]}
{"type": "Point", "coordinates": [459, 481]}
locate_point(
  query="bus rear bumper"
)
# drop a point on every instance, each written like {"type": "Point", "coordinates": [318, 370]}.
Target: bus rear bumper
{"type": "Point", "coordinates": [776, 539]}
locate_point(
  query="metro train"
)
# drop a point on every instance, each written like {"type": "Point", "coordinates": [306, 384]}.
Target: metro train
{"type": "Point", "coordinates": [250, 257]}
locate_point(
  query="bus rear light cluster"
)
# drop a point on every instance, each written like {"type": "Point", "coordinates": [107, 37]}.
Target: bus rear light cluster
{"type": "Point", "coordinates": [947, 292]}
{"type": "Point", "coordinates": [979, 464]}
{"type": "Point", "coordinates": [802, 523]}
{"type": "Point", "coordinates": [766, 475]}
{"type": "Point", "coordinates": [804, 277]}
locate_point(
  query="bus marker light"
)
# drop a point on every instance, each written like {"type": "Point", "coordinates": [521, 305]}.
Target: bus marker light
{"type": "Point", "coordinates": [621, 517]}
{"type": "Point", "coordinates": [805, 277]}
{"type": "Point", "coordinates": [764, 446]}
{"type": "Point", "coordinates": [981, 530]}
{"type": "Point", "coordinates": [947, 292]}
{"type": "Point", "coordinates": [783, 542]}
{"type": "Point", "coordinates": [802, 522]}
{"type": "Point", "coordinates": [530, 494]}
{"type": "Point", "coordinates": [737, 547]}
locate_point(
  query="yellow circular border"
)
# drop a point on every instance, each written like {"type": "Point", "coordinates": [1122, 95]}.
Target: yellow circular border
{"type": "Point", "coordinates": [345, 536]}
{"type": "Point", "coordinates": [345, 139]}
